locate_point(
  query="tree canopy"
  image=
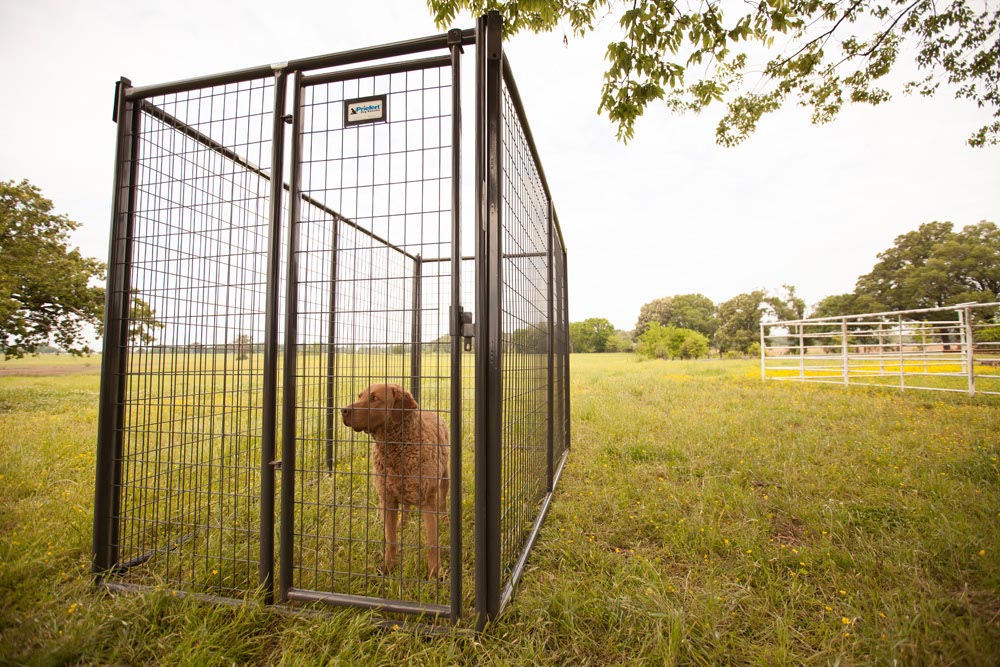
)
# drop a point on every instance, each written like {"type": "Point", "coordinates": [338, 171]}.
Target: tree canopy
{"type": "Point", "coordinates": [683, 311]}
{"type": "Point", "coordinates": [934, 266]}
{"type": "Point", "coordinates": [754, 57]}
{"type": "Point", "coordinates": [660, 342]}
{"type": "Point", "coordinates": [45, 290]}
{"type": "Point", "coordinates": [591, 335]}
{"type": "Point", "coordinates": [740, 317]}
{"type": "Point", "coordinates": [836, 305]}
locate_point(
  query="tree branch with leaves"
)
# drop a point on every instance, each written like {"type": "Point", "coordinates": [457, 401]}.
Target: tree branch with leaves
{"type": "Point", "coordinates": [755, 57]}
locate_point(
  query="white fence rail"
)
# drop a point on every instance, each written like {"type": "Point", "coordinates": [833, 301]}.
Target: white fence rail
{"type": "Point", "coordinates": [955, 348]}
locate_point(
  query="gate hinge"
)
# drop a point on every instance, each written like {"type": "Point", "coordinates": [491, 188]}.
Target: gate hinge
{"type": "Point", "coordinates": [276, 465]}
{"type": "Point", "coordinates": [287, 118]}
{"type": "Point", "coordinates": [455, 37]}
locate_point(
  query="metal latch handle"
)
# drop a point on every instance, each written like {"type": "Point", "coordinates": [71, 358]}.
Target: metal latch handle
{"type": "Point", "coordinates": [464, 328]}
{"type": "Point", "coordinates": [468, 330]}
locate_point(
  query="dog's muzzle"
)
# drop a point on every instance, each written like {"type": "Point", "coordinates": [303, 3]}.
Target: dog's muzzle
{"type": "Point", "coordinates": [345, 415]}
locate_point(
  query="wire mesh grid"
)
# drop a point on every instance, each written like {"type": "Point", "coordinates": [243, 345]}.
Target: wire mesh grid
{"type": "Point", "coordinates": [524, 325]}
{"type": "Point", "coordinates": [374, 291]}
{"type": "Point", "coordinates": [192, 391]}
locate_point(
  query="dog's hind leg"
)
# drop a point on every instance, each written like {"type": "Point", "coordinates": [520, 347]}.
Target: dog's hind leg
{"type": "Point", "coordinates": [390, 517]}
{"type": "Point", "coordinates": [442, 498]}
{"type": "Point", "coordinates": [430, 513]}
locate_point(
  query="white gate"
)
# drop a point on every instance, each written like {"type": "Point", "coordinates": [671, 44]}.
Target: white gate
{"type": "Point", "coordinates": [956, 348]}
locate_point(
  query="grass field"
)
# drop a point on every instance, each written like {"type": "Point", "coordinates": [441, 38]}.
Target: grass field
{"type": "Point", "coordinates": [703, 518]}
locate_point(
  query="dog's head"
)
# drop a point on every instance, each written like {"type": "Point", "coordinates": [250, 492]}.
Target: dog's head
{"type": "Point", "coordinates": [378, 406]}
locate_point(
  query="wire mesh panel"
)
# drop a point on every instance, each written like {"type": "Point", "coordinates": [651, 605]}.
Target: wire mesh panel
{"type": "Point", "coordinates": [521, 396]}
{"type": "Point", "coordinates": [525, 325]}
{"type": "Point", "coordinates": [374, 285]}
{"type": "Point", "coordinates": [190, 385]}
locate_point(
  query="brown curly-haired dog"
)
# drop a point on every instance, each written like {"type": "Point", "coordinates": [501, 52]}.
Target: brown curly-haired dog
{"type": "Point", "coordinates": [410, 451]}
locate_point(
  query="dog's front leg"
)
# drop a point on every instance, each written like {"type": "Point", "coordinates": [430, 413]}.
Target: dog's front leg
{"type": "Point", "coordinates": [390, 516]}
{"type": "Point", "coordinates": [431, 524]}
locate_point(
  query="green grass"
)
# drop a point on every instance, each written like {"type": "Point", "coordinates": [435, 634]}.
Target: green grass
{"type": "Point", "coordinates": [917, 374]}
{"type": "Point", "coordinates": [703, 518]}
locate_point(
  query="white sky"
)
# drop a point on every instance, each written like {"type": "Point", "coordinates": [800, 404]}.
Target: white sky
{"type": "Point", "coordinates": [670, 213]}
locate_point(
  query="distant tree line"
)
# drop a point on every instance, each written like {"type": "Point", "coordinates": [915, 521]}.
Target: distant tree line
{"type": "Point", "coordinates": [930, 267]}
{"type": "Point", "coordinates": [50, 293]}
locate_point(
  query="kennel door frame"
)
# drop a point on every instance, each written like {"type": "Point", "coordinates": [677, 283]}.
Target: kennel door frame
{"type": "Point", "coordinates": [134, 109]}
{"type": "Point", "coordinates": [287, 537]}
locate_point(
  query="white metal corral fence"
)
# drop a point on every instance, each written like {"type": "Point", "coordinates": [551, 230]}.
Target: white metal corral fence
{"type": "Point", "coordinates": [955, 348]}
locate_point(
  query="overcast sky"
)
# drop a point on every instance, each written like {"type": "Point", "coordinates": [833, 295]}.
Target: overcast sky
{"type": "Point", "coordinates": [670, 213]}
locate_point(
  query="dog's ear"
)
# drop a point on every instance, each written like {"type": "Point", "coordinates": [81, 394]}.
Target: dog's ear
{"type": "Point", "coordinates": [409, 403]}
{"type": "Point", "coordinates": [398, 400]}
{"type": "Point", "coordinates": [394, 403]}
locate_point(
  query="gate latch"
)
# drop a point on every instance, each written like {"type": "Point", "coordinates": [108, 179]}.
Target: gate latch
{"type": "Point", "coordinates": [466, 329]}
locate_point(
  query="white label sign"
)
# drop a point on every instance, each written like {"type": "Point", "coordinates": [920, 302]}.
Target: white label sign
{"type": "Point", "coordinates": [365, 110]}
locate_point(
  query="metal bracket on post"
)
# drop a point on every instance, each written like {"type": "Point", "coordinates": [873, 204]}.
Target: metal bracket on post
{"type": "Point", "coordinates": [455, 39]}
{"type": "Point", "coordinates": [120, 86]}
{"type": "Point", "coordinates": [468, 330]}
{"type": "Point", "coordinates": [463, 327]}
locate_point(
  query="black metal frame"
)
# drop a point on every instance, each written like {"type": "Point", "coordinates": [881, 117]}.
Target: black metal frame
{"type": "Point", "coordinates": [502, 544]}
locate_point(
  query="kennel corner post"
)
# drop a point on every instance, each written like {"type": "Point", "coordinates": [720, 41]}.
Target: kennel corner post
{"type": "Point", "coordinates": [489, 367]}
{"type": "Point", "coordinates": [565, 334]}
{"type": "Point", "coordinates": [286, 546]}
{"type": "Point", "coordinates": [331, 347]}
{"type": "Point", "coordinates": [416, 324]}
{"type": "Point", "coordinates": [114, 357]}
{"type": "Point", "coordinates": [455, 42]}
{"type": "Point", "coordinates": [550, 356]}
{"type": "Point", "coordinates": [270, 371]}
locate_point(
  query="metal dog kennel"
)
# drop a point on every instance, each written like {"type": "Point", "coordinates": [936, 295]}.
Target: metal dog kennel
{"type": "Point", "coordinates": [283, 236]}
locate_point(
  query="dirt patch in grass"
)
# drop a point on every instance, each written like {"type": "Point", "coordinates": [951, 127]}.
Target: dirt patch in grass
{"type": "Point", "coordinates": [40, 371]}
{"type": "Point", "coordinates": [788, 530]}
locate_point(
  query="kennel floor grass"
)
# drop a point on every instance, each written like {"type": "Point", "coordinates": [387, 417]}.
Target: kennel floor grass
{"type": "Point", "coordinates": [704, 517]}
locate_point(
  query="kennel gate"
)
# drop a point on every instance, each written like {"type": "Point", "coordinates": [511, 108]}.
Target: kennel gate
{"type": "Point", "coordinates": [248, 272]}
